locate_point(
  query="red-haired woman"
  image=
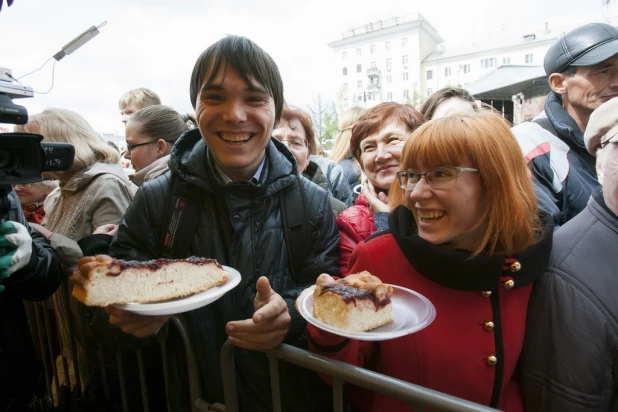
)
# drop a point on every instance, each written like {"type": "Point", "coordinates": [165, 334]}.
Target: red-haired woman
{"type": "Point", "coordinates": [377, 139]}
{"type": "Point", "coordinates": [464, 232]}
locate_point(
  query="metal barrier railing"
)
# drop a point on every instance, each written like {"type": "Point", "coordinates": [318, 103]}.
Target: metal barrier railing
{"type": "Point", "coordinates": [83, 352]}
{"type": "Point", "coordinates": [418, 397]}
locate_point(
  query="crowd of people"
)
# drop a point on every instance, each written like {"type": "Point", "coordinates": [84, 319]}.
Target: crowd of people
{"type": "Point", "coordinates": [508, 231]}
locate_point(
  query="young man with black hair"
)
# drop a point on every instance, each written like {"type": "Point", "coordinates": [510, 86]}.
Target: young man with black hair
{"type": "Point", "coordinates": [239, 175]}
{"type": "Point", "coordinates": [582, 66]}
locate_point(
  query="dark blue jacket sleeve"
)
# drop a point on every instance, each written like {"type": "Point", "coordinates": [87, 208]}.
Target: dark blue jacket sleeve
{"type": "Point", "coordinates": [40, 278]}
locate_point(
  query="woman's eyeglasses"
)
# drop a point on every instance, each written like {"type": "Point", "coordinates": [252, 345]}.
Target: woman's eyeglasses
{"type": "Point", "coordinates": [130, 147]}
{"type": "Point", "coordinates": [438, 178]}
{"type": "Point", "coordinates": [295, 144]}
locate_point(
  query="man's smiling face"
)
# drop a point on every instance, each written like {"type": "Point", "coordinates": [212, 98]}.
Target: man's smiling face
{"type": "Point", "coordinates": [236, 121]}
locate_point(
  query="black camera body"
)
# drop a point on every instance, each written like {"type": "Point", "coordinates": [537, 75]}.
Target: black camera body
{"type": "Point", "coordinates": [12, 113]}
{"type": "Point", "coordinates": [23, 156]}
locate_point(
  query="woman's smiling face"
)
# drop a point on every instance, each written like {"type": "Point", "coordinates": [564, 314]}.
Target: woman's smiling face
{"type": "Point", "coordinates": [447, 216]}
{"type": "Point", "coordinates": [381, 153]}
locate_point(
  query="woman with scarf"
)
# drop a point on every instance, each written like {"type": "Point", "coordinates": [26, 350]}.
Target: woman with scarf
{"type": "Point", "coordinates": [464, 233]}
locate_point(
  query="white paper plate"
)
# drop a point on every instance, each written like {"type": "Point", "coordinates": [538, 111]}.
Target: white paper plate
{"type": "Point", "coordinates": [187, 303]}
{"type": "Point", "coordinates": [411, 310]}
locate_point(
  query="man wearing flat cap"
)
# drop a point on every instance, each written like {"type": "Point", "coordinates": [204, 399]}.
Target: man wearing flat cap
{"type": "Point", "coordinates": [582, 66]}
{"type": "Point", "coordinates": [570, 356]}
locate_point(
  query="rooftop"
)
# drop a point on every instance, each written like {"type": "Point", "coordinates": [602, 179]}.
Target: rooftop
{"type": "Point", "coordinates": [546, 36]}
{"type": "Point", "coordinates": [384, 27]}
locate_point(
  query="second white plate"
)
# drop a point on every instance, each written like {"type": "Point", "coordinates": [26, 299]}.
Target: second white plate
{"type": "Point", "coordinates": [411, 311]}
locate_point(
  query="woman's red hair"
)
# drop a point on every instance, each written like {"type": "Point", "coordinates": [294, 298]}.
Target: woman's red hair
{"type": "Point", "coordinates": [483, 141]}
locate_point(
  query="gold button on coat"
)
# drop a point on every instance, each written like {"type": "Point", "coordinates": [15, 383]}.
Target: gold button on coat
{"type": "Point", "coordinates": [486, 293]}
{"type": "Point", "coordinates": [516, 267]}
{"type": "Point", "coordinates": [509, 284]}
{"type": "Point", "coordinates": [489, 325]}
{"type": "Point", "coordinates": [492, 360]}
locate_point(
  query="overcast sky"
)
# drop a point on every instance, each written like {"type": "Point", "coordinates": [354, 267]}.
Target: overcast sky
{"type": "Point", "coordinates": [154, 43]}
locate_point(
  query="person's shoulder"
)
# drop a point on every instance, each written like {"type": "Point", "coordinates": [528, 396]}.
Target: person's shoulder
{"type": "Point", "coordinates": [356, 212]}
{"type": "Point", "coordinates": [158, 186]}
{"type": "Point", "coordinates": [572, 238]}
{"type": "Point", "coordinates": [581, 247]}
{"type": "Point", "coordinates": [313, 192]}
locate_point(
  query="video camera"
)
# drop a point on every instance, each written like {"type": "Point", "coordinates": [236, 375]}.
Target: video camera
{"type": "Point", "coordinates": [23, 156]}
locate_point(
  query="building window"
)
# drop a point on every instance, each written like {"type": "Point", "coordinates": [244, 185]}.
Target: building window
{"type": "Point", "coordinates": [345, 102]}
{"type": "Point", "coordinates": [358, 52]}
{"type": "Point", "coordinates": [359, 84]}
{"type": "Point", "coordinates": [344, 55]}
{"type": "Point", "coordinates": [404, 42]}
{"type": "Point", "coordinates": [429, 74]}
{"type": "Point", "coordinates": [529, 58]}
{"type": "Point", "coordinates": [405, 94]}
{"type": "Point", "coordinates": [487, 63]}
{"type": "Point", "coordinates": [373, 65]}
{"type": "Point", "coordinates": [345, 87]}
{"type": "Point", "coordinates": [506, 60]}
{"type": "Point", "coordinates": [429, 92]}
{"type": "Point", "coordinates": [404, 60]}
{"type": "Point", "coordinates": [359, 68]}
{"type": "Point", "coordinates": [372, 49]}
{"type": "Point", "coordinates": [389, 79]}
{"type": "Point", "coordinates": [388, 64]}
{"type": "Point", "coordinates": [466, 68]}
{"type": "Point", "coordinates": [389, 96]}
{"type": "Point", "coordinates": [388, 45]}
{"type": "Point", "coordinates": [345, 71]}
{"type": "Point", "coordinates": [447, 72]}
{"type": "Point", "coordinates": [405, 76]}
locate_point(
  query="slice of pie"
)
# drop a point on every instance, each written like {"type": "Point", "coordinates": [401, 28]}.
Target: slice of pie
{"type": "Point", "coordinates": [102, 280]}
{"type": "Point", "coordinates": [358, 303]}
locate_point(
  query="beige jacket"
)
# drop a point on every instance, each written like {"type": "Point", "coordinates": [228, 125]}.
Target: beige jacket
{"type": "Point", "coordinates": [155, 169]}
{"type": "Point", "coordinates": [96, 196]}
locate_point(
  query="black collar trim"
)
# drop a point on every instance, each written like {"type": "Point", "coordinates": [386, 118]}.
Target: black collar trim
{"type": "Point", "coordinates": [454, 268]}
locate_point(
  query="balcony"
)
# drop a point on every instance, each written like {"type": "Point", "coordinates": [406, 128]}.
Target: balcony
{"type": "Point", "coordinates": [373, 72]}
{"type": "Point", "coordinates": [373, 87]}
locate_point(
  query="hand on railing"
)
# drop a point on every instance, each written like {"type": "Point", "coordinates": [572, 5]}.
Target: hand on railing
{"type": "Point", "coordinates": [269, 324]}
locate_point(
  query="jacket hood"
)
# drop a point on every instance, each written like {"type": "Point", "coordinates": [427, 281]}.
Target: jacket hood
{"type": "Point", "coordinates": [155, 169]}
{"type": "Point", "coordinates": [314, 173]}
{"type": "Point", "coordinates": [564, 124]}
{"type": "Point", "coordinates": [83, 177]}
{"type": "Point", "coordinates": [192, 161]}
{"type": "Point", "coordinates": [456, 270]}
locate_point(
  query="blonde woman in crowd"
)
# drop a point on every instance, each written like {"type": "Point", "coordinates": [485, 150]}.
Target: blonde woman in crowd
{"type": "Point", "coordinates": [341, 150]}
{"type": "Point", "coordinates": [95, 190]}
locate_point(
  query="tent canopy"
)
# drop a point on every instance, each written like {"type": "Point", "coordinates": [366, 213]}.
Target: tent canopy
{"type": "Point", "coordinates": [507, 81]}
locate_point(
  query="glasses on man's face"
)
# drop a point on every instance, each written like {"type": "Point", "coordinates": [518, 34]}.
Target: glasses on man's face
{"type": "Point", "coordinates": [438, 178]}
{"type": "Point", "coordinates": [295, 144]}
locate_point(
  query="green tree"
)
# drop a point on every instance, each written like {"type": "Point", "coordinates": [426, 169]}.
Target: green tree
{"type": "Point", "coordinates": [324, 119]}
